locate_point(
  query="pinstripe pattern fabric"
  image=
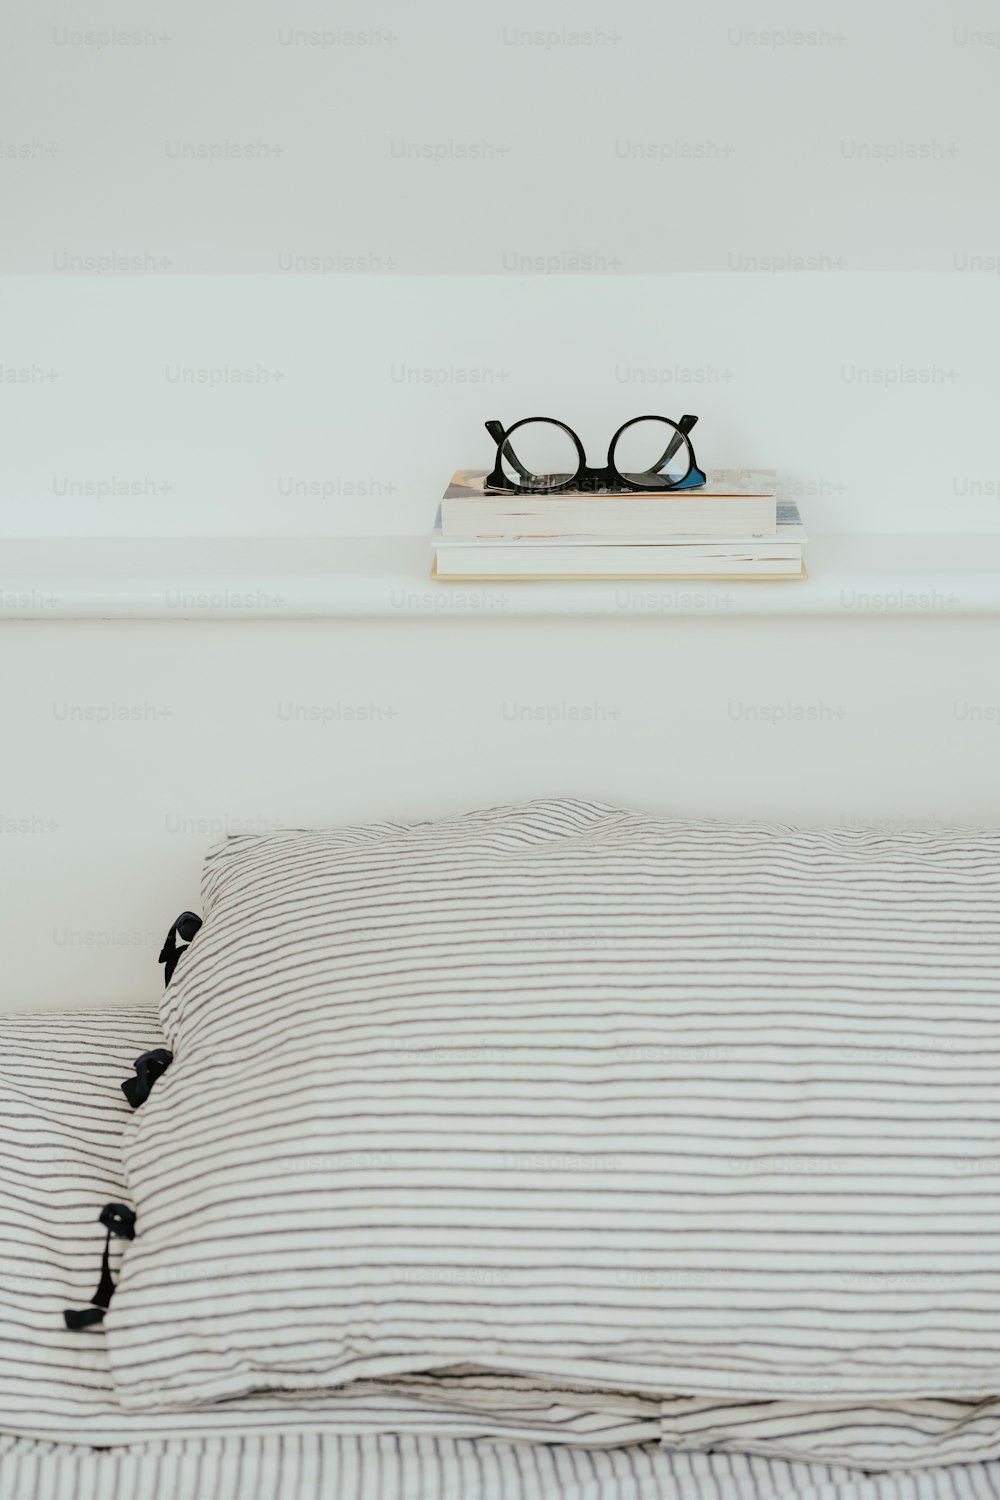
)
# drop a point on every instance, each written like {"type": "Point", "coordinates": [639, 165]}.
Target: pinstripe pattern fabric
{"type": "Point", "coordinates": [393, 1468]}
{"type": "Point", "coordinates": [571, 1092]}
{"type": "Point", "coordinates": [63, 1115]}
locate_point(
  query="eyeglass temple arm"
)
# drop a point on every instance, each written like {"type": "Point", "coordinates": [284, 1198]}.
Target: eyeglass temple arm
{"type": "Point", "coordinates": [685, 424]}
{"type": "Point", "coordinates": [496, 432]}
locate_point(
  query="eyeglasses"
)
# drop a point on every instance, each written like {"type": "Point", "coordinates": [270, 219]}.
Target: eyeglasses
{"type": "Point", "coordinates": [542, 453]}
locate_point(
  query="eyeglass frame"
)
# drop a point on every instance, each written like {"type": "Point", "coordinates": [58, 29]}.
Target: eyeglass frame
{"type": "Point", "coordinates": [608, 478]}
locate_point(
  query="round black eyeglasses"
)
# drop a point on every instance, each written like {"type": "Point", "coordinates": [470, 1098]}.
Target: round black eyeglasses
{"type": "Point", "coordinates": [542, 454]}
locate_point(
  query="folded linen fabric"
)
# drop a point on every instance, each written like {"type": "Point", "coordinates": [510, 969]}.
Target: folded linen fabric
{"type": "Point", "coordinates": [570, 1091]}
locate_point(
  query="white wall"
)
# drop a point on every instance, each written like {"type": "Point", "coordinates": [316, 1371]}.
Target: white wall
{"type": "Point", "coordinates": [381, 385]}
{"type": "Point", "coordinates": [456, 137]}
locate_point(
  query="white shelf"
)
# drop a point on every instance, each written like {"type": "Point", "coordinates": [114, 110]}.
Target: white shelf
{"type": "Point", "coordinates": [213, 578]}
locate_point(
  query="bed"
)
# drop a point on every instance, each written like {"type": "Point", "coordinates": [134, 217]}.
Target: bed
{"type": "Point", "coordinates": [71, 1425]}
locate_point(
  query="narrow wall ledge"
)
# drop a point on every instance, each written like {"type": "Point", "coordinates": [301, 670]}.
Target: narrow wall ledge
{"type": "Point", "coordinates": [255, 578]}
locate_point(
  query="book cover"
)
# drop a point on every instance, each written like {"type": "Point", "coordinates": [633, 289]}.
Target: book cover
{"type": "Point", "coordinates": [470, 484]}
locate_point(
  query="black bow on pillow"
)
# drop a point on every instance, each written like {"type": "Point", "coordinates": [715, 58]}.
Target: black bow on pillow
{"type": "Point", "coordinates": [148, 1068]}
{"type": "Point", "coordinates": [118, 1219]}
{"type": "Point", "coordinates": [185, 927]}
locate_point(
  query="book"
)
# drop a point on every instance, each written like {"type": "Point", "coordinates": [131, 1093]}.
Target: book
{"type": "Point", "coordinates": [550, 557]}
{"type": "Point", "coordinates": [613, 561]}
{"type": "Point", "coordinates": [619, 577]}
{"type": "Point", "coordinates": [717, 482]}
{"type": "Point", "coordinates": [733, 502]}
{"type": "Point", "coordinates": [739, 482]}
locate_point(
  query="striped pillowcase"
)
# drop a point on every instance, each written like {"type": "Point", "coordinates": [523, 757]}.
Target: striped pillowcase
{"type": "Point", "coordinates": [583, 1094]}
{"type": "Point", "coordinates": [62, 1116]}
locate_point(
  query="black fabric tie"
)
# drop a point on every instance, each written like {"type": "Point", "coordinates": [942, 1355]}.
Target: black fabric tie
{"type": "Point", "coordinates": [148, 1068]}
{"type": "Point", "coordinates": [119, 1221]}
{"type": "Point", "coordinates": [185, 927]}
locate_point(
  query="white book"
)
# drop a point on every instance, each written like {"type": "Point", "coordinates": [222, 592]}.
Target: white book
{"type": "Point", "coordinates": [788, 528]}
{"type": "Point", "coordinates": [615, 561]}
{"type": "Point", "coordinates": [732, 502]}
{"type": "Point", "coordinates": [777, 555]}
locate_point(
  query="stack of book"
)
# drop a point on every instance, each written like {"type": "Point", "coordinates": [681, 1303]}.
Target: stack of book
{"type": "Point", "coordinates": [734, 526]}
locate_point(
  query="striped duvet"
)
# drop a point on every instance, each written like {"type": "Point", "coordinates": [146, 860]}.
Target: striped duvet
{"type": "Point", "coordinates": [849, 895]}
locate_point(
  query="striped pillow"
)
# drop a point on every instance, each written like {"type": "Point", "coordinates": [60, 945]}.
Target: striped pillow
{"type": "Point", "coordinates": [578, 1093]}
{"type": "Point", "coordinates": [62, 1114]}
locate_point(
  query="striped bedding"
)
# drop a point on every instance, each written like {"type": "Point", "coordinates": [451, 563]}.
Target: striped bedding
{"type": "Point", "coordinates": [602, 1102]}
{"type": "Point", "coordinates": [62, 1118]}
{"type": "Point", "coordinates": [315, 1467]}
{"type": "Point", "coordinates": [466, 1432]}
{"type": "Point", "coordinates": [62, 1115]}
